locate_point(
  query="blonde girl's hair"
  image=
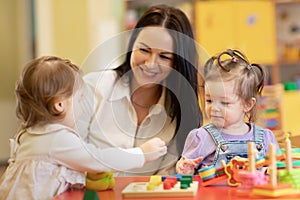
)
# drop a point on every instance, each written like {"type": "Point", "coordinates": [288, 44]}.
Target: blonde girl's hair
{"type": "Point", "coordinates": [43, 81]}
{"type": "Point", "coordinates": [234, 65]}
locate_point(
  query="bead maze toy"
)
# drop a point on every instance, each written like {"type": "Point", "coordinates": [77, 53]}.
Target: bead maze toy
{"type": "Point", "coordinates": [159, 186]}
{"type": "Point", "coordinates": [282, 179]}
{"type": "Point", "coordinates": [272, 189]}
{"type": "Point", "coordinates": [282, 182]}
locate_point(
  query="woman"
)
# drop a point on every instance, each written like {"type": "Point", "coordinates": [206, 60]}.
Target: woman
{"type": "Point", "coordinates": [153, 93]}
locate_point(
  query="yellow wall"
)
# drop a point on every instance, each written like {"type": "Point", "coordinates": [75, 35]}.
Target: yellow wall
{"type": "Point", "coordinates": [9, 69]}
{"type": "Point", "coordinates": [62, 29]}
{"type": "Point", "coordinates": [9, 48]}
{"type": "Point", "coordinates": [290, 112]}
{"type": "Point", "coordinates": [70, 29]}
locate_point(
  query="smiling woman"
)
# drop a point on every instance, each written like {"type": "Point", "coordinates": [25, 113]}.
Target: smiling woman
{"type": "Point", "coordinates": [151, 60]}
{"type": "Point", "coordinates": [153, 93]}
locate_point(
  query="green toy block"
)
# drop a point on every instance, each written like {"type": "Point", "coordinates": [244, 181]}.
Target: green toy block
{"type": "Point", "coordinates": [90, 195]}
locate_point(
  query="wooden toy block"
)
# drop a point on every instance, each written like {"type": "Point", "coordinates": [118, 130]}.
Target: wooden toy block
{"type": "Point", "coordinates": [273, 191]}
{"type": "Point", "coordinates": [185, 181]}
{"type": "Point", "coordinates": [249, 179]}
{"type": "Point", "coordinates": [178, 176]}
{"type": "Point", "coordinates": [169, 182]}
{"type": "Point", "coordinates": [207, 173]}
{"type": "Point", "coordinates": [260, 162]}
{"type": "Point", "coordinates": [90, 195]}
{"type": "Point", "coordinates": [210, 175]}
{"type": "Point", "coordinates": [170, 187]}
{"type": "Point", "coordinates": [291, 177]}
{"type": "Point", "coordinates": [154, 181]}
{"type": "Point", "coordinates": [214, 180]}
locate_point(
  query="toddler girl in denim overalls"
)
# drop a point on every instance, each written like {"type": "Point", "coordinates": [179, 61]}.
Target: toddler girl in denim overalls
{"type": "Point", "coordinates": [232, 86]}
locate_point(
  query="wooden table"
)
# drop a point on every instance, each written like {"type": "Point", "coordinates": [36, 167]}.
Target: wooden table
{"type": "Point", "coordinates": [216, 192]}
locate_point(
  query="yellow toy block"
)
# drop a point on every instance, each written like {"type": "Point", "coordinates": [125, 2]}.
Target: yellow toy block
{"type": "Point", "coordinates": [154, 182]}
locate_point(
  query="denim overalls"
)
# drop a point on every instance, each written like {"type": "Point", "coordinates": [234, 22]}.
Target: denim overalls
{"type": "Point", "coordinates": [226, 150]}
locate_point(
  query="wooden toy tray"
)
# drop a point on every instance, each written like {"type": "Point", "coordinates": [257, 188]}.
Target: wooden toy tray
{"type": "Point", "coordinates": [139, 189]}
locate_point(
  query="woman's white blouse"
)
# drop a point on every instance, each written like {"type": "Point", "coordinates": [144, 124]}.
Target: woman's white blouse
{"type": "Point", "coordinates": [110, 120]}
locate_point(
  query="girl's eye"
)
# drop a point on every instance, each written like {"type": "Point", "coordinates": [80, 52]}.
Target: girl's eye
{"type": "Point", "coordinates": [225, 103]}
{"type": "Point", "coordinates": [208, 101]}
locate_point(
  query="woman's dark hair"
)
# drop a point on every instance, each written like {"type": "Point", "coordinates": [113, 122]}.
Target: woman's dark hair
{"type": "Point", "coordinates": [181, 84]}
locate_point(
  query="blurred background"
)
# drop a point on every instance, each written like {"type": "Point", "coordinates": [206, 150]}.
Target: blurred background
{"type": "Point", "coordinates": [267, 31]}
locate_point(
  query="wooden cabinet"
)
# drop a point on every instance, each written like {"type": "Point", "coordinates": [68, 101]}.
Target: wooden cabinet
{"type": "Point", "coordinates": [245, 25]}
{"type": "Point", "coordinates": [288, 40]}
{"type": "Point", "coordinates": [267, 31]}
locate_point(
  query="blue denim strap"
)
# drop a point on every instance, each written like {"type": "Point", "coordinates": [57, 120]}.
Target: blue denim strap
{"type": "Point", "coordinates": [258, 137]}
{"type": "Point", "coordinates": [215, 133]}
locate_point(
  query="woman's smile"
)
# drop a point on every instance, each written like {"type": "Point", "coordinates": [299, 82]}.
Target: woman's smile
{"type": "Point", "coordinates": [148, 73]}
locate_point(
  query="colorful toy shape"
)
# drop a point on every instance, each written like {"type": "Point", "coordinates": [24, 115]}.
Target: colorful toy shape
{"type": "Point", "coordinates": [289, 175]}
{"type": "Point", "coordinates": [90, 195]}
{"type": "Point", "coordinates": [99, 181]}
{"type": "Point", "coordinates": [167, 186]}
{"type": "Point", "coordinates": [273, 189]}
{"type": "Point", "coordinates": [231, 169]}
{"type": "Point", "coordinates": [210, 175]}
{"type": "Point", "coordinates": [295, 158]}
{"type": "Point", "coordinates": [249, 177]}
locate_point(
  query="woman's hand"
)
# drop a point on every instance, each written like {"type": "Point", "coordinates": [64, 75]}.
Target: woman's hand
{"type": "Point", "coordinates": [154, 149]}
{"type": "Point", "coordinates": [187, 166]}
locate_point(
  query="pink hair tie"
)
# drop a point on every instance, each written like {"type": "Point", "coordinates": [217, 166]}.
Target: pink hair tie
{"type": "Point", "coordinates": [234, 59]}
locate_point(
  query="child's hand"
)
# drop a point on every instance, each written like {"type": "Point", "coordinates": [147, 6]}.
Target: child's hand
{"type": "Point", "coordinates": [187, 166]}
{"type": "Point", "coordinates": [154, 149]}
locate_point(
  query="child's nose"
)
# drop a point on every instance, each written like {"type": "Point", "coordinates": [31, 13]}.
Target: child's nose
{"type": "Point", "coordinates": [215, 106]}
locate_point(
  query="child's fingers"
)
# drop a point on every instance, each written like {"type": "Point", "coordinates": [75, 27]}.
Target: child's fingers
{"type": "Point", "coordinates": [196, 161]}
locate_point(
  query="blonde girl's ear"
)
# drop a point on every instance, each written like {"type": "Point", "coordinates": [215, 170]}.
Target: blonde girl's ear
{"type": "Point", "coordinates": [59, 106]}
{"type": "Point", "coordinates": [249, 104]}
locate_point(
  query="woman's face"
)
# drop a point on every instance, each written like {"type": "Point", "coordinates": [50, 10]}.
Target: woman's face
{"type": "Point", "coordinates": [152, 57]}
